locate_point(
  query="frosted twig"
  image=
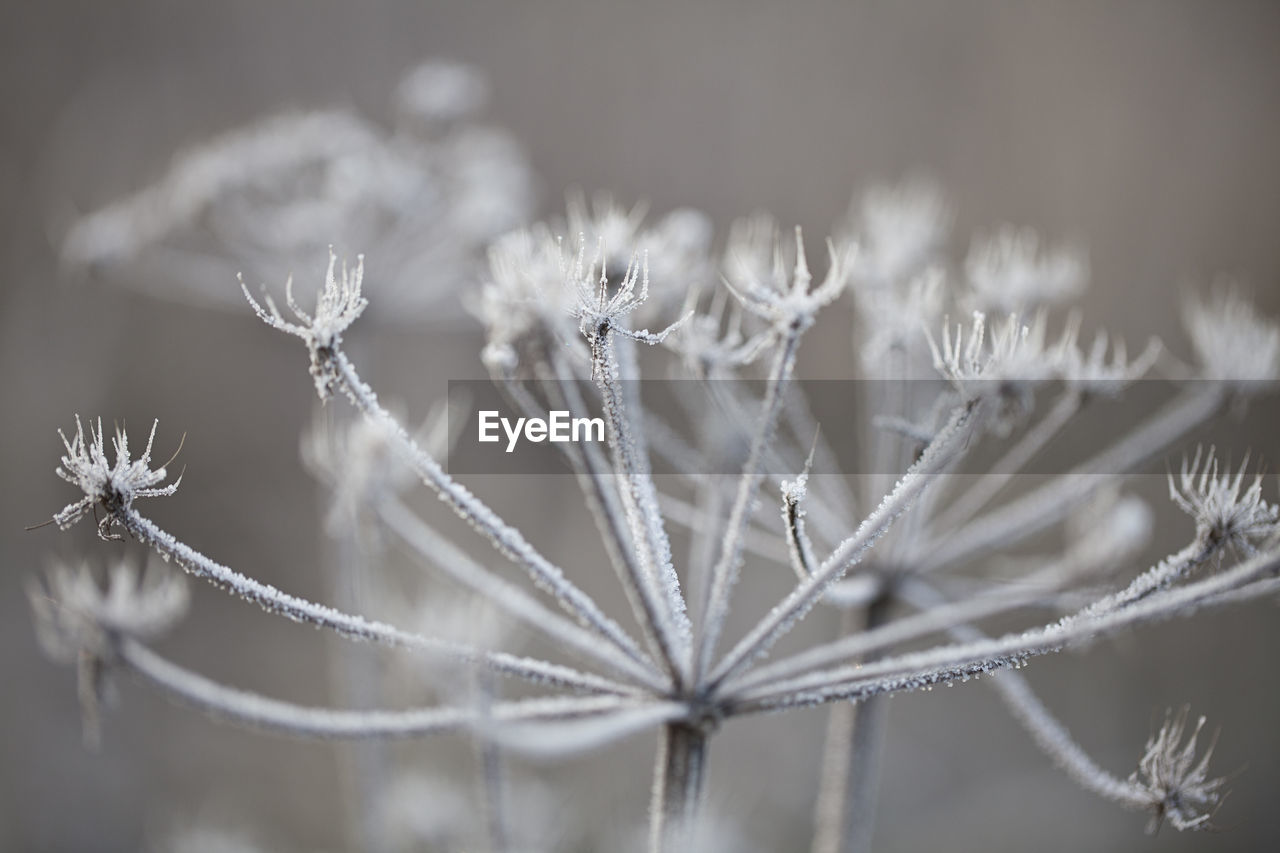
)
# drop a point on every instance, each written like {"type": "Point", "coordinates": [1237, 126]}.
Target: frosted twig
{"type": "Point", "coordinates": [639, 501]}
{"type": "Point", "coordinates": [354, 627]}
{"type": "Point", "coordinates": [507, 539]}
{"type": "Point", "coordinates": [1049, 734]}
{"type": "Point", "coordinates": [261, 712]}
{"type": "Point", "coordinates": [724, 574]}
{"type": "Point", "coordinates": [963, 508]}
{"type": "Point", "coordinates": [942, 452]}
{"type": "Point", "coordinates": [597, 481]}
{"type": "Point", "coordinates": [948, 663]}
{"type": "Point", "coordinates": [1027, 591]}
{"type": "Point", "coordinates": [425, 543]}
{"type": "Point", "coordinates": [1034, 511]}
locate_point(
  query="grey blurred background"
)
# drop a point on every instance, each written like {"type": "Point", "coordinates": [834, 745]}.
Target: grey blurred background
{"type": "Point", "coordinates": [1146, 131]}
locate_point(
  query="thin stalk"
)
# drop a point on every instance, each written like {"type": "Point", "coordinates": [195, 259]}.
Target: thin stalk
{"type": "Point", "coordinates": [596, 479]}
{"type": "Point", "coordinates": [492, 782]}
{"type": "Point", "coordinates": [679, 776]}
{"type": "Point", "coordinates": [845, 815]}
{"type": "Point", "coordinates": [1042, 507]}
{"type": "Point", "coordinates": [424, 543]}
{"type": "Point", "coordinates": [1023, 451]}
{"type": "Point", "coordinates": [1031, 590]}
{"type": "Point", "coordinates": [945, 449]}
{"type": "Point", "coordinates": [351, 626]}
{"type": "Point", "coordinates": [1046, 730]}
{"type": "Point", "coordinates": [505, 538]}
{"type": "Point", "coordinates": [954, 662]}
{"type": "Point", "coordinates": [640, 503]}
{"type": "Point", "coordinates": [724, 574]}
{"type": "Point", "coordinates": [264, 713]}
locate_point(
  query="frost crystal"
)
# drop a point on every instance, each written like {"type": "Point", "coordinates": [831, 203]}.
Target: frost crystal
{"type": "Point", "coordinates": [111, 486]}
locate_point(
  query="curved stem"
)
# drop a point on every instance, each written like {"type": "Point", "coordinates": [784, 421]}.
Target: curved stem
{"type": "Point", "coordinates": [261, 712]}
{"type": "Point", "coordinates": [354, 627]}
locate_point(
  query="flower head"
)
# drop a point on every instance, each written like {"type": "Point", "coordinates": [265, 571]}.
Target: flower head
{"type": "Point", "coordinates": [337, 307]}
{"type": "Point", "coordinates": [113, 486]}
{"type": "Point", "coordinates": [1011, 272]}
{"type": "Point", "coordinates": [1091, 371]}
{"type": "Point", "coordinates": [524, 297]}
{"type": "Point", "coordinates": [764, 287]}
{"type": "Point", "coordinates": [600, 312]}
{"type": "Point", "coordinates": [1234, 344]}
{"type": "Point", "coordinates": [903, 226]}
{"type": "Point", "coordinates": [1178, 785]}
{"type": "Point", "coordinates": [676, 246]}
{"type": "Point", "coordinates": [1224, 513]}
{"type": "Point", "coordinates": [1014, 352]}
{"type": "Point", "coordinates": [74, 613]}
{"type": "Point", "coordinates": [78, 621]}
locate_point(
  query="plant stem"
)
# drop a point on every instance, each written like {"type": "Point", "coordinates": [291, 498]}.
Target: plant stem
{"type": "Point", "coordinates": [679, 774]}
{"type": "Point", "coordinates": [845, 814]}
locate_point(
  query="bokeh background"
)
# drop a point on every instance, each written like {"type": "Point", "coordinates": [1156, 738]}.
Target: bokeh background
{"type": "Point", "coordinates": [1146, 131]}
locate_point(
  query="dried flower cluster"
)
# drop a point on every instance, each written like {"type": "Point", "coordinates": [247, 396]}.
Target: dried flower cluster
{"type": "Point", "coordinates": [565, 306]}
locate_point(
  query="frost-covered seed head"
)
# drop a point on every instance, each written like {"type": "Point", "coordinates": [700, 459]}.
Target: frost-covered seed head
{"type": "Point", "coordinates": [111, 486]}
{"type": "Point", "coordinates": [1010, 271]}
{"type": "Point", "coordinates": [338, 305]}
{"type": "Point", "coordinates": [1178, 785]}
{"type": "Point", "coordinates": [1226, 512]}
{"type": "Point", "coordinates": [75, 614]}
{"type": "Point", "coordinates": [1234, 343]}
{"type": "Point", "coordinates": [677, 247]}
{"type": "Point", "coordinates": [602, 305]}
{"type": "Point", "coordinates": [978, 364]}
{"type": "Point", "coordinates": [524, 299]}
{"type": "Point", "coordinates": [79, 622]}
{"type": "Point", "coordinates": [766, 290]}
{"type": "Point", "coordinates": [1090, 371]}
{"type": "Point", "coordinates": [902, 226]}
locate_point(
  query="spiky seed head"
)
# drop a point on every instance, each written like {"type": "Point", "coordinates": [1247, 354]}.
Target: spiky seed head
{"type": "Point", "coordinates": [1226, 511]}
{"type": "Point", "coordinates": [111, 486]}
{"type": "Point", "coordinates": [1177, 783]}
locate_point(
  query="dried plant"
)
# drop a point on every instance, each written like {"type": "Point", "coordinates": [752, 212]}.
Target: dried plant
{"type": "Point", "coordinates": [562, 307]}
